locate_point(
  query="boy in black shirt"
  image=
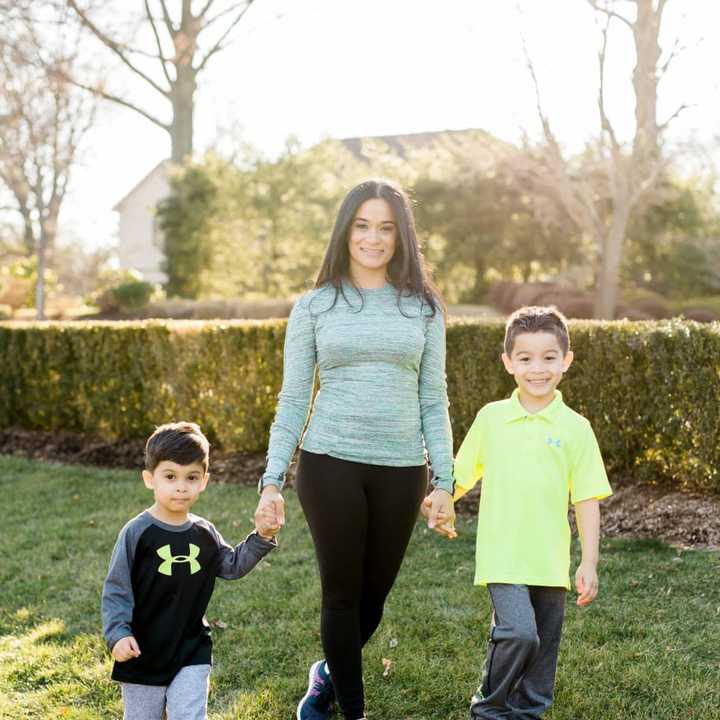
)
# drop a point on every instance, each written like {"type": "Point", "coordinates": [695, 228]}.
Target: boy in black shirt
{"type": "Point", "coordinates": [161, 578]}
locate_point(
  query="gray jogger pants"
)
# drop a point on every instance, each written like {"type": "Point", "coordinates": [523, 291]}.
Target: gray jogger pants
{"type": "Point", "coordinates": [185, 697]}
{"type": "Point", "coordinates": [519, 674]}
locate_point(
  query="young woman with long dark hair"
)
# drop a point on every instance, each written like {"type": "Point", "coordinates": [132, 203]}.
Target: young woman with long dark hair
{"type": "Point", "coordinates": [374, 326]}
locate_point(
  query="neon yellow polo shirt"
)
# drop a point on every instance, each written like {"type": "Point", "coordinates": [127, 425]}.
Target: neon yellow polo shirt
{"type": "Point", "coordinates": [529, 464]}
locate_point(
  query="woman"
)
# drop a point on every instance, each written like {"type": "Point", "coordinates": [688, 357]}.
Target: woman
{"type": "Point", "coordinates": [374, 326]}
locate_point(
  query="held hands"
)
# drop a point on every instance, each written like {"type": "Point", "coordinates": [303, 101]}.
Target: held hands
{"type": "Point", "coordinates": [439, 511]}
{"type": "Point", "coordinates": [270, 512]}
{"type": "Point", "coordinates": [125, 649]}
{"type": "Point", "coordinates": [586, 582]}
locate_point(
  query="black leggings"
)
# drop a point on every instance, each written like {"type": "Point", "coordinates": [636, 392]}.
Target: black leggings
{"type": "Point", "coordinates": [361, 518]}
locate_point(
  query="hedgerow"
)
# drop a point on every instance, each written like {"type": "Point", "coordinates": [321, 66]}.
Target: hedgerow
{"type": "Point", "coordinates": [650, 389]}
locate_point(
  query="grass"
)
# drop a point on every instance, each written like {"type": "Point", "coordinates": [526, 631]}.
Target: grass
{"type": "Point", "coordinates": [647, 649]}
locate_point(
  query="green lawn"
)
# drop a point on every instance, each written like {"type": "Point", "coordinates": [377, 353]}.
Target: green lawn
{"type": "Point", "coordinates": [648, 648]}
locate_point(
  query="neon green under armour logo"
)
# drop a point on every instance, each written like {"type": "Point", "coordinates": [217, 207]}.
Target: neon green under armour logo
{"type": "Point", "coordinates": [168, 560]}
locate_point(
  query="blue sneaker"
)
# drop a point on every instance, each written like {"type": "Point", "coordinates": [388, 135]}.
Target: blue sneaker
{"type": "Point", "coordinates": [320, 695]}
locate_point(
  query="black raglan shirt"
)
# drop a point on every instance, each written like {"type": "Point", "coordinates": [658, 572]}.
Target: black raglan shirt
{"type": "Point", "coordinates": [158, 586]}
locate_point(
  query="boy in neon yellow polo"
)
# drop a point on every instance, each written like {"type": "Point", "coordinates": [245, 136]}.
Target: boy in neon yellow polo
{"type": "Point", "coordinates": [532, 452]}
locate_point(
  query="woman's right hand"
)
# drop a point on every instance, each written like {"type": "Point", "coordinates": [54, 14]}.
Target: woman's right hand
{"type": "Point", "coordinates": [270, 511]}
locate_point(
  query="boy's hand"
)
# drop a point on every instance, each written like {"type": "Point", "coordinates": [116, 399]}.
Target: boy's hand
{"type": "Point", "coordinates": [270, 512]}
{"type": "Point", "coordinates": [586, 582]}
{"type": "Point", "coordinates": [266, 525]}
{"type": "Point", "coordinates": [125, 649]}
{"type": "Point", "coordinates": [438, 509]}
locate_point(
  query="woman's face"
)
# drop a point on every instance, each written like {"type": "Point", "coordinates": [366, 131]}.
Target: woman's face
{"type": "Point", "coordinates": [373, 234]}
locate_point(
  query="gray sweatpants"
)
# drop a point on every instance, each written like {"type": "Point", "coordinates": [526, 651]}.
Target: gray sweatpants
{"type": "Point", "coordinates": [185, 697]}
{"type": "Point", "coordinates": [519, 674]}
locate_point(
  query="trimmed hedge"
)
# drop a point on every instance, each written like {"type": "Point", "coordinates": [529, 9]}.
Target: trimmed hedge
{"type": "Point", "coordinates": [650, 389]}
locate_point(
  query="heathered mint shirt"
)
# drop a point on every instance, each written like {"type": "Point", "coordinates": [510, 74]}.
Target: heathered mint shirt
{"type": "Point", "coordinates": [382, 398]}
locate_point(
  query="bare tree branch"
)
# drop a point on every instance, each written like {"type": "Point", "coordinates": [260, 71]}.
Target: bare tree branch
{"type": "Point", "coordinates": [211, 21]}
{"type": "Point", "coordinates": [158, 43]}
{"type": "Point", "coordinates": [610, 13]}
{"type": "Point", "coordinates": [663, 126]}
{"type": "Point", "coordinates": [114, 47]}
{"type": "Point", "coordinates": [218, 45]}
{"type": "Point", "coordinates": [116, 99]}
{"type": "Point", "coordinates": [172, 30]}
{"type": "Point", "coordinates": [207, 7]}
{"type": "Point", "coordinates": [604, 120]}
{"type": "Point", "coordinates": [677, 49]}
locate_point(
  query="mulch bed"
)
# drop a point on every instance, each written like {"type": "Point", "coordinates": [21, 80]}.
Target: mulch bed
{"type": "Point", "coordinates": [635, 510]}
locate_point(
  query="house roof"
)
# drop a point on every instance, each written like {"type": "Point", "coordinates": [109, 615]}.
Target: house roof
{"type": "Point", "coordinates": [140, 183]}
{"type": "Point", "coordinates": [401, 143]}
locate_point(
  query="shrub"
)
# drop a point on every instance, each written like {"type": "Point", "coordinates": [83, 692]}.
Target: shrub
{"type": "Point", "coordinates": [133, 295]}
{"type": "Point", "coordinates": [656, 310]}
{"type": "Point", "coordinates": [704, 315]}
{"type": "Point", "coordinates": [631, 313]}
{"type": "Point", "coordinates": [528, 293]}
{"type": "Point", "coordinates": [16, 292]}
{"type": "Point", "coordinates": [578, 308]}
{"type": "Point", "coordinates": [499, 293]}
{"type": "Point", "coordinates": [183, 309]}
{"type": "Point", "coordinates": [126, 297]}
{"type": "Point", "coordinates": [650, 389]}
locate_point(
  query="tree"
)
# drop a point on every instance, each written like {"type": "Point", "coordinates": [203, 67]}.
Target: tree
{"type": "Point", "coordinates": [629, 173]}
{"type": "Point", "coordinates": [43, 121]}
{"type": "Point", "coordinates": [172, 66]}
{"type": "Point", "coordinates": [184, 217]}
{"type": "Point", "coordinates": [673, 244]}
{"type": "Point", "coordinates": [485, 226]}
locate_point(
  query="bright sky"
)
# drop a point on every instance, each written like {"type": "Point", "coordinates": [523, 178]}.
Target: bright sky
{"type": "Point", "coordinates": [344, 68]}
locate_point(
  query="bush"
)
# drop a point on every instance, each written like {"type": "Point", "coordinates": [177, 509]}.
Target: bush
{"type": "Point", "coordinates": [574, 303]}
{"type": "Point", "coordinates": [126, 297]}
{"type": "Point", "coordinates": [578, 308]}
{"type": "Point", "coordinates": [654, 305]}
{"type": "Point", "coordinates": [650, 389]}
{"type": "Point", "coordinates": [631, 313]}
{"type": "Point", "coordinates": [133, 295]}
{"type": "Point", "coordinates": [704, 315]}
{"type": "Point", "coordinates": [182, 309]}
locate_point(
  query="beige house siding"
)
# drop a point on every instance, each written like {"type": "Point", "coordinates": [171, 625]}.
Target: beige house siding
{"type": "Point", "coordinates": [140, 245]}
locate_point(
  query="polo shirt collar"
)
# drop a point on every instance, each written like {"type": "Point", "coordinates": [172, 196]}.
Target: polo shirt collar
{"type": "Point", "coordinates": [517, 411]}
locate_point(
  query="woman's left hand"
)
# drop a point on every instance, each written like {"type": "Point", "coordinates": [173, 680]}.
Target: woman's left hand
{"type": "Point", "coordinates": [439, 511]}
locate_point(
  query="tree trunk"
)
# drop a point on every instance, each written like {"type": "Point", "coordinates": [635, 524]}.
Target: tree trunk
{"type": "Point", "coordinates": [40, 283]}
{"type": "Point", "coordinates": [181, 130]}
{"type": "Point", "coordinates": [646, 31]}
{"type": "Point", "coordinates": [612, 250]}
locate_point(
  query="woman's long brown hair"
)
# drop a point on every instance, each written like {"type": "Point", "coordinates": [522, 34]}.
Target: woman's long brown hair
{"type": "Point", "coordinates": [408, 271]}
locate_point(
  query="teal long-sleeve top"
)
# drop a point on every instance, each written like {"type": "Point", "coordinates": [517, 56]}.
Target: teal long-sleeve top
{"type": "Point", "coordinates": [382, 395]}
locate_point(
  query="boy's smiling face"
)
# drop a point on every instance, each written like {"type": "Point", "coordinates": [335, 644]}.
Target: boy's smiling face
{"type": "Point", "coordinates": [176, 488]}
{"type": "Point", "coordinates": [537, 362]}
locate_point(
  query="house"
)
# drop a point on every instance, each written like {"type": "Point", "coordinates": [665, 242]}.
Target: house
{"type": "Point", "coordinates": [140, 245]}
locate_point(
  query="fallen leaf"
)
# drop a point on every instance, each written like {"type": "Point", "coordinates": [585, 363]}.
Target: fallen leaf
{"type": "Point", "coordinates": [387, 665]}
{"type": "Point", "coordinates": [216, 622]}
{"type": "Point", "coordinates": [393, 643]}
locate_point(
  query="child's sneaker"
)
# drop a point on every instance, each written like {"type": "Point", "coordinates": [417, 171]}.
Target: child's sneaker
{"type": "Point", "coordinates": [318, 700]}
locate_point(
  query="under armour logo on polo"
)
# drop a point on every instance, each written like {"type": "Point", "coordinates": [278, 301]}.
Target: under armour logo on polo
{"type": "Point", "coordinates": [168, 559]}
{"type": "Point", "coordinates": [553, 443]}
